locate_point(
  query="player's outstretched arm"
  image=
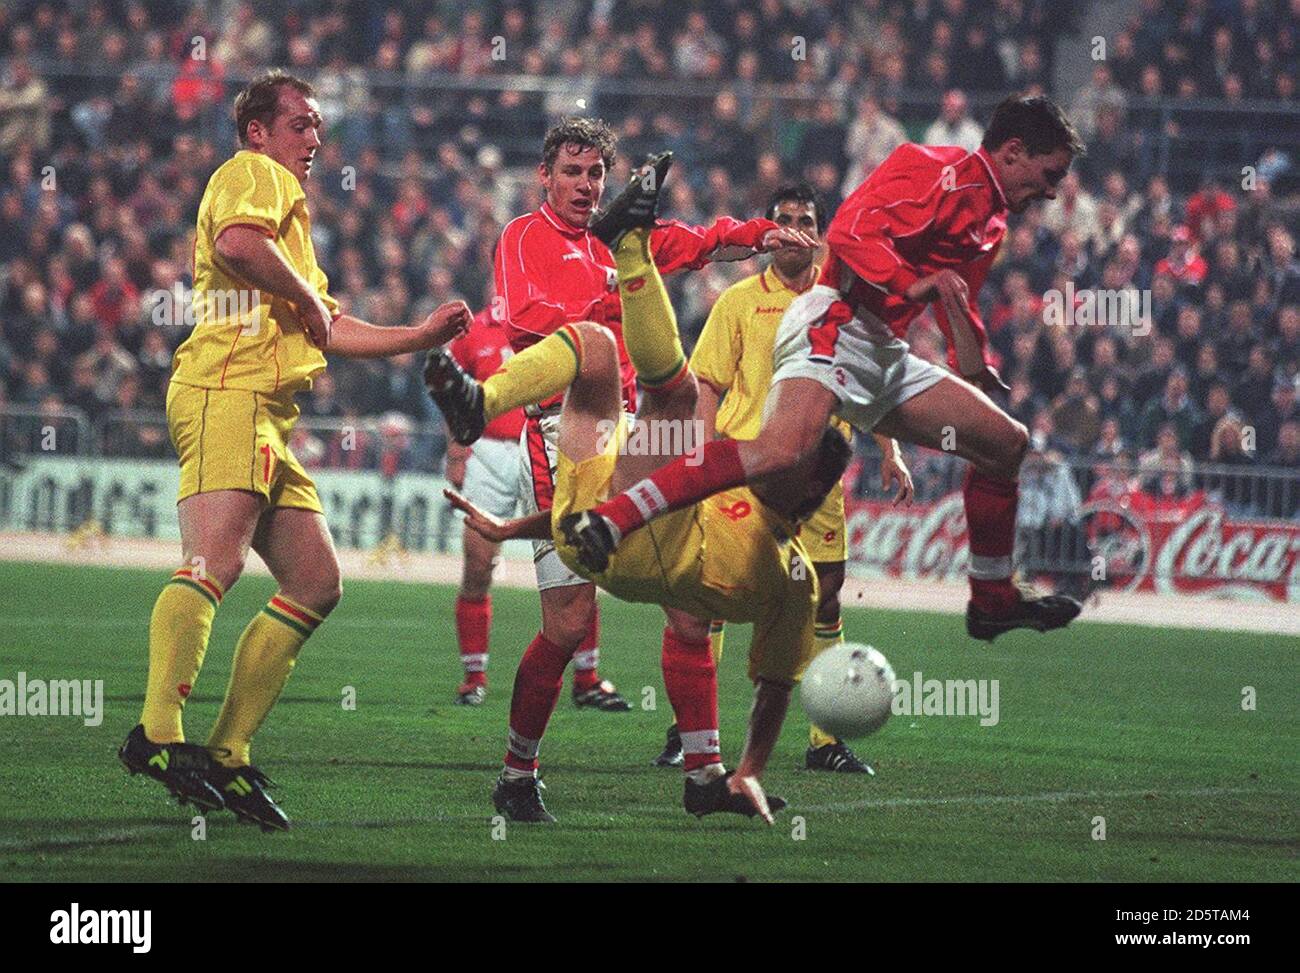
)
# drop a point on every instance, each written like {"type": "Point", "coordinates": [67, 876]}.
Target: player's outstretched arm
{"type": "Point", "coordinates": [354, 338]}
{"type": "Point", "coordinates": [534, 527]}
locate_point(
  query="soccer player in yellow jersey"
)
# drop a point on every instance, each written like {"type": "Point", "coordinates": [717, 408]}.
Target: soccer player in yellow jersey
{"type": "Point", "coordinates": [733, 362]}
{"type": "Point", "coordinates": [264, 320]}
{"type": "Point", "coordinates": [734, 556]}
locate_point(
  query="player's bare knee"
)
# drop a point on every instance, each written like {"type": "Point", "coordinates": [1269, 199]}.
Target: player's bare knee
{"type": "Point", "coordinates": [828, 609]}
{"type": "Point", "coordinates": [567, 631]}
{"type": "Point", "coordinates": [599, 348]}
{"type": "Point", "coordinates": [222, 567]}
{"type": "Point", "coordinates": [1013, 446]}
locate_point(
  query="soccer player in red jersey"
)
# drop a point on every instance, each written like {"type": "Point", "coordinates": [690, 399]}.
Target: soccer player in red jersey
{"type": "Point", "coordinates": [552, 273]}
{"type": "Point", "coordinates": [487, 473]}
{"type": "Point", "coordinates": [924, 228]}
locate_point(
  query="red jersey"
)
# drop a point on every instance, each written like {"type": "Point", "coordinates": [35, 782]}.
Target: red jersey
{"type": "Point", "coordinates": [481, 351]}
{"type": "Point", "coordinates": [924, 209]}
{"type": "Point", "coordinates": [549, 273]}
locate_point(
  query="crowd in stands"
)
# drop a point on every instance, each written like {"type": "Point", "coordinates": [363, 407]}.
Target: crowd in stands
{"type": "Point", "coordinates": [113, 114]}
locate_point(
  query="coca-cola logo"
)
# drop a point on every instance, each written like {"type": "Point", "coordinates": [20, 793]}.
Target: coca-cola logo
{"type": "Point", "coordinates": [1121, 539]}
{"type": "Point", "coordinates": [1200, 549]}
{"type": "Point", "coordinates": [929, 542]}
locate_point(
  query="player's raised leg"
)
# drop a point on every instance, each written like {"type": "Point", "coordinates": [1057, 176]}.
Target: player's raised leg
{"type": "Point", "coordinates": [296, 546]}
{"type": "Point", "coordinates": [533, 375]}
{"type": "Point", "coordinates": [954, 414]}
{"type": "Point", "coordinates": [216, 531]}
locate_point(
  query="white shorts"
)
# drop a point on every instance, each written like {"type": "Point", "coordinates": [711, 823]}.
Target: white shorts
{"type": "Point", "coordinates": [491, 480]}
{"type": "Point", "coordinates": [536, 486]}
{"type": "Point", "coordinates": [870, 371]}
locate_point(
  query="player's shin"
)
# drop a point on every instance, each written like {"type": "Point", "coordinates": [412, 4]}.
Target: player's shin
{"type": "Point", "coordinates": [473, 622]}
{"type": "Point", "coordinates": [649, 323]}
{"type": "Point", "coordinates": [264, 657]}
{"type": "Point", "coordinates": [535, 374]}
{"type": "Point", "coordinates": [178, 638]}
{"type": "Point", "coordinates": [691, 679]}
{"type": "Point", "coordinates": [991, 519]}
{"type": "Point", "coordinates": [537, 689]}
{"type": "Point", "coordinates": [587, 659]}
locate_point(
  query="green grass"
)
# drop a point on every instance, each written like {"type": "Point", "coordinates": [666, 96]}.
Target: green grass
{"type": "Point", "coordinates": [1143, 726]}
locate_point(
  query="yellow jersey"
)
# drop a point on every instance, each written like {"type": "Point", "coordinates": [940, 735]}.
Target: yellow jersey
{"type": "Point", "coordinates": [734, 353]}
{"type": "Point", "coordinates": [244, 338]}
{"type": "Point", "coordinates": [727, 557]}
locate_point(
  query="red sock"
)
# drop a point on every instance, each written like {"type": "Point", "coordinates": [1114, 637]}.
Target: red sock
{"type": "Point", "coordinates": [587, 658]}
{"type": "Point", "coordinates": [991, 527]}
{"type": "Point", "coordinates": [473, 620]}
{"type": "Point", "coordinates": [684, 481]}
{"type": "Point", "coordinates": [692, 683]}
{"type": "Point", "coordinates": [537, 689]}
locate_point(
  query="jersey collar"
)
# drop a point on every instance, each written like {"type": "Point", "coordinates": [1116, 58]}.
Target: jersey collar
{"type": "Point", "coordinates": [566, 229]}
{"type": "Point", "coordinates": [999, 196]}
{"type": "Point", "coordinates": [775, 283]}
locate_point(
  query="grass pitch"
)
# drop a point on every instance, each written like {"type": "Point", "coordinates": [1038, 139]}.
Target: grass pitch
{"type": "Point", "coordinates": [1142, 727]}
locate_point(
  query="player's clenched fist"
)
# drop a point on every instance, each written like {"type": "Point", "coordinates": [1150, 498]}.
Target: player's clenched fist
{"type": "Point", "coordinates": [450, 320]}
{"type": "Point", "coordinates": [315, 317]}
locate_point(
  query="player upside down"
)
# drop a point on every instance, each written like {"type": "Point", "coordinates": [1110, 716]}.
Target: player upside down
{"type": "Point", "coordinates": [734, 556]}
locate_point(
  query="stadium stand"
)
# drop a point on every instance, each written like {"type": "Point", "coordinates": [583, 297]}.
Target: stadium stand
{"type": "Point", "coordinates": [112, 115]}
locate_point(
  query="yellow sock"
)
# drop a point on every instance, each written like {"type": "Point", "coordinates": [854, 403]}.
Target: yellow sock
{"type": "Point", "coordinates": [178, 638]}
{"type": "Point", "coordinates": [534, 374]}
{"type": "Point", "coordinates": [649, 323]}
{"type": "Point", "coordinates": [717, 635]}
{"type": "Point", "coordinates": [264, 657]}
{"type": "Point", "coordinates": [826, 635]}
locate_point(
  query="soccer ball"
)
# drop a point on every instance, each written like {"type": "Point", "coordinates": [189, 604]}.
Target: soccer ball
{"type": "Point", "coordinates": [848, 690]}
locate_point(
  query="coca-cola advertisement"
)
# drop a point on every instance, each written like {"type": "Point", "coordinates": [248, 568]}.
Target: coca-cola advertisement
{"type": "Point", "coordinates": [1128, 542]}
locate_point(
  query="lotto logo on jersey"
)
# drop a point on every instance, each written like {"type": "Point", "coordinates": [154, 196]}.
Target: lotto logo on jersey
{"type": "Point", "coordinates": [840, 377]}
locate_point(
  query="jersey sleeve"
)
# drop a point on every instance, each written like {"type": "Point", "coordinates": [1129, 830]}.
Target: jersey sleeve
{"type": "Point", "coordinates": [680, 246]}
{"type": "Point", "coordinates": [901, 198]}
{"type": "Point", "coordinates": [251, 192]}
{"type": "Point", "coordinates": [717, 353]}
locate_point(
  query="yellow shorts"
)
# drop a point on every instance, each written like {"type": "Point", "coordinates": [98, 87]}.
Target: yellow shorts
{"type": "Point", "coordinates": [823, 533]}
{"type": "Point", "coordinates": [230, 439]}
{"type": "Point", "coordinates": [650, 564]}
